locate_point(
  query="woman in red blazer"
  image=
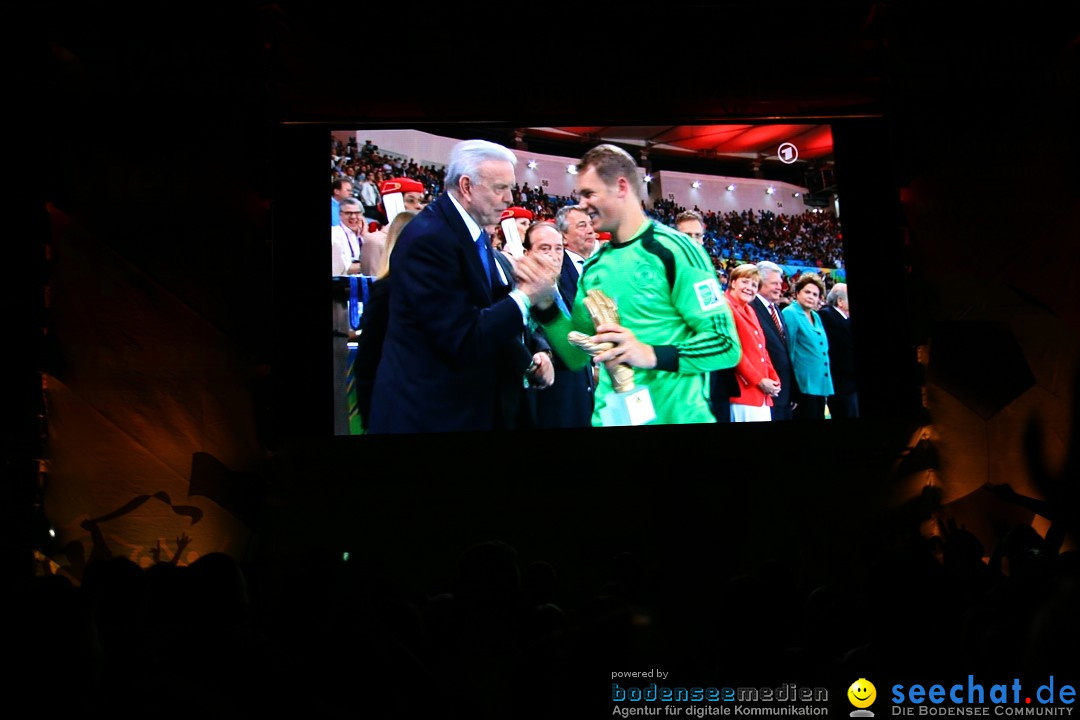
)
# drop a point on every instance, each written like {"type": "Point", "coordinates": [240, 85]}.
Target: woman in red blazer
{"type": "Point", "coordinates": [757, 378]}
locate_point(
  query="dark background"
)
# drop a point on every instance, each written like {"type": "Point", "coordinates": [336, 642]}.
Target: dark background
{"type": "Point", "coordinates": [171, 134]}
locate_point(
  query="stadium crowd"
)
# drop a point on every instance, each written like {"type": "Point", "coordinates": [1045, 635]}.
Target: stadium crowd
{"type": "Point", "coordinates": [811, 239]}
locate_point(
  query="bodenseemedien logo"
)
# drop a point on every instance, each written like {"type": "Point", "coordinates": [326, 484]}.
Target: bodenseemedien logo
{"type": "Point", "coordinates": [695, 701]}
{"type": "Point", "coordinates": [862, 694]}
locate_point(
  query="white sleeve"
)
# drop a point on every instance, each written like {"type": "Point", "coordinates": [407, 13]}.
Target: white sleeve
{"type": "Point", "coordinates": [339, 252]}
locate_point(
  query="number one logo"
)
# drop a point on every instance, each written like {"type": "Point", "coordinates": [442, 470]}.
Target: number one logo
{"type": "Point", "coordinates": [787, 153]}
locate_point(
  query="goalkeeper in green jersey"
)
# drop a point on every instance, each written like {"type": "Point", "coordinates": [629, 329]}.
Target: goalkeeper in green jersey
{"type": "Point", "coordinates": [674, 325]}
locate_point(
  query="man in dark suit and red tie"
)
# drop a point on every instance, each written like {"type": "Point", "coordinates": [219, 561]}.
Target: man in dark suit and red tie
{"type": "Point", "coordinates": [452, 340]}
{"type": "Point", "coordinates": [836, 319]}
{"type": "Point", "coordinates": [765, 305]}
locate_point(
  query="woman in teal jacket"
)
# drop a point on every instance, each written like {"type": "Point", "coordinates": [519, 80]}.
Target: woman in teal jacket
{"type": "Point", "coordinates": [809, 349]}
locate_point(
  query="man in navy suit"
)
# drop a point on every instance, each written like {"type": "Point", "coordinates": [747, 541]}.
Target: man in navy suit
{"type": "Point", "coordinates": [453, 340]}
{"type": "Point", "coordinates": [836, 319]}
{"type": "Point", "coordinates": [568, 403]}
{"type": "Point", "coordinates": [769, 292]}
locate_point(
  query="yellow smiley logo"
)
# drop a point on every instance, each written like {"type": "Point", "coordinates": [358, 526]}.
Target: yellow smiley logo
{"type": "Point", "coordinates": [862, 693]}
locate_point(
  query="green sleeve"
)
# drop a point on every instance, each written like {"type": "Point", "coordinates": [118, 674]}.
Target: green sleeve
{"type": "Point", "coordinates": [557, 326]}
{"type": "Point", "coordinates": [714, 342]}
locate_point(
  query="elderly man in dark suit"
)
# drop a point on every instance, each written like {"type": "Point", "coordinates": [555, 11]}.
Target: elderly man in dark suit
{"type": "Point", "coordinates": [765, 305]}
{"type": "Point", "coordinates": [453, 342]}
{"type": "Point", "coordinates": [836, 319]}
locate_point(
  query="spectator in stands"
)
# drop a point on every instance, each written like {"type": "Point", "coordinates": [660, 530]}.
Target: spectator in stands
{"type": "Point", "coordinates": [691, 223]}
{"type": "Point", "coordinates": [513, 224]}
{"type": "Point", "coordinates": [498, 242]}
{"type": "Point", "coordinates": [369, 196]}
{"type": "Point", "coordinates": [340, 189]}
{"type": "Point", "coordinates": [411, 196]}
{"type": "Point", "coordinates": [346, 239]}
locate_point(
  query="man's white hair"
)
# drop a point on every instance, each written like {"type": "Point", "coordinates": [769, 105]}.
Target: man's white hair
{"type": "Point", "coordinates": [468, 155]}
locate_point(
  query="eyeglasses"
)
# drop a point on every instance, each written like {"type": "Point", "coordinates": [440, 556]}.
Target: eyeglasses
{"type": "Point", "coordinates": [351, 212]}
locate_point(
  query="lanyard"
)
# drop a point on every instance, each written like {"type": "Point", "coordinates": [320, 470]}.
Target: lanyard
{"type": "Point", "coordinates": [359, 289]}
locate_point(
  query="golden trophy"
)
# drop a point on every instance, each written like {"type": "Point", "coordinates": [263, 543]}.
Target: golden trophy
{"type": "Point", "coordinates": [628, 404]}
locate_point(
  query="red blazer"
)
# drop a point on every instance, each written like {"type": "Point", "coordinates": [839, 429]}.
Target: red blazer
{"type": "Point", "coordinates": [754, 363]}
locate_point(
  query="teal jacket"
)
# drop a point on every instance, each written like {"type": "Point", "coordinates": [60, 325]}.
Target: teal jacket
{"type": "Point", "coordinates": [808, 347]}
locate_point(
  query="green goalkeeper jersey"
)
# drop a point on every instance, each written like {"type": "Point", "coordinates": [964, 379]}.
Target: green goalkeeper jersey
{"type": "Point", "coordinates": [667, 294]}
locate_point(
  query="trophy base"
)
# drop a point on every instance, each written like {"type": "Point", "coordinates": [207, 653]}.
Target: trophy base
{"type": "Point", "coordinates": [628, 408]}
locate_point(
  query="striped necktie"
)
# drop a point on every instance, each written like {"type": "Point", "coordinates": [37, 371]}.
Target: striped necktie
{"type": "Point", "coordinates": [776, 321]}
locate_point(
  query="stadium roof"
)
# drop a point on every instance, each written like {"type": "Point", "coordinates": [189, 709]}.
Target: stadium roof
{"type": "Point", "coordinates": [747, 141]}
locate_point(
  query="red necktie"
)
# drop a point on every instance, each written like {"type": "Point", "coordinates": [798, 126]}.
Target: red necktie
{"type": "Point", "coordinates": [776, 320]}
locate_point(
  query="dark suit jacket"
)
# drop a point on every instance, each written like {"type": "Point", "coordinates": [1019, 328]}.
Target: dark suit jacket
{"type": "Point", "coordinates": [370, 344]}
{"type": "Point", "coordinates": [568, 403]}
{"type": "Point", "coordinates": [518, 406]}
{"type": "Point", "coordinates": [841, 349]}
{"type": "Point", "coordinates": [778, 353]}
{"type": "Point", "coordinates": [568, 280]}
{"type": "Point", "coordinates": [451, 338]}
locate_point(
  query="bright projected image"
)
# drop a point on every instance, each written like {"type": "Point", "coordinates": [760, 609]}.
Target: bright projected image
{"type": "Point", "coordinates": [587, 277]}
